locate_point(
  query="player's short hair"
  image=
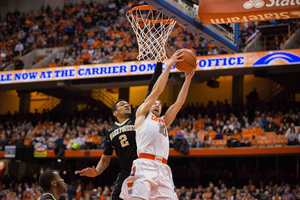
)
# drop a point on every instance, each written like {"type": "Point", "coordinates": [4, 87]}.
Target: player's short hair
{"type": "Point", "coordinates": [114, 108]}
{"type": "Point", "coordinates": [45, 180]}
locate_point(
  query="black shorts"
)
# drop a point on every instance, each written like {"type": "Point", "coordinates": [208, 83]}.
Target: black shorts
{"type": "Point", "coordinates": [117, 191]}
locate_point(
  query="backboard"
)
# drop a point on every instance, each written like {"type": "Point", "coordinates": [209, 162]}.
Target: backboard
{"type": "Point", "coordinates": [185, 12]}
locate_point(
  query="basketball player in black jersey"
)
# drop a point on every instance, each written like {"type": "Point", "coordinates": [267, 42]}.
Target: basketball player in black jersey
{"type": "Point", "coordinates": [52, 184]}
{"type": "Point", "coordinates": [121, 138]}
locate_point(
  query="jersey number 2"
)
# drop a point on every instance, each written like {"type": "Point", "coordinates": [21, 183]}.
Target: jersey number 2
{"type": "Point", "coordinates": [123, 140]}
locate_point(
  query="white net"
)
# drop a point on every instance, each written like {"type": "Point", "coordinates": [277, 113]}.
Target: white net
{"type": "Point", "coordinates": [152, 29]}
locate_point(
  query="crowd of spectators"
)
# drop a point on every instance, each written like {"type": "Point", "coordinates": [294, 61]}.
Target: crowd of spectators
{"type": "Point", "coordinates": [79, 191]}
{"type": "Point", "coordinates": [21, 32]}
{"type": "Point", "coordinates": [199, 125]}
{"type": "Point", "coordinates": [90, 33]}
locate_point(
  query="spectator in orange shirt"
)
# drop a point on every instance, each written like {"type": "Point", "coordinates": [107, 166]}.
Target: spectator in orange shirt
{"type": "Point", "coordinates": [84, 43]}
{"type": "Point", "coordinates": [78, 192]}
{"type": "Point", "coordinates": [86, 57]}
{"type": "Point", "coordinates": [247, 138]}
{"type": "Point", "coordinates": [96, 140]}
{"type": "Point", "coordinates": [208, 193]}
{"type": "Point", "coordinates": [52, 64]}
{"type": "Point", "coordinates": [96, 42]}
{"type": "Point", "coordinates": [197, 125]}
{"type": "Point", "coordinates": [211, 132]}
{"type": "Point", "coordinates": [87, 21]}
{"type": "Point", "coordinates": [183, 123]}
{"type": "Point", "coordinates": [90, 34]}
{"type": "Point", "coordinates": [104, 195]}
{"type": "Point", "coordinates": [277, 119]}
{"type": "Point", "coordinates": [257, 130]}
{"type": "Point", "coordinates": [27, 140]}
{"type": "Point", "coordinates": [88, 140]}
{"type": "Point", "coordinates": [247, 127]}
{"type": "Point", "coordinates": [251, 187]}
{"type": "Point", "coordinates": [190, 125]}
{"type": "Point", "coordinates": [234, 140]}
{"type": "Point", "coordinates": [66, 141]}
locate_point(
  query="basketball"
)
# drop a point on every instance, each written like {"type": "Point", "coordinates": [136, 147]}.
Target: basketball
{"type": "Point", "coordinates": [189, 61]}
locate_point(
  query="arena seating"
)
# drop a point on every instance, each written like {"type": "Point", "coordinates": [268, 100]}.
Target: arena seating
{"type": "Point", "coordinates": [268, 128]}
{"type": "Point", "coordinates": [30, 190]}
{"type": "Point", "coordinates": [89, 35]}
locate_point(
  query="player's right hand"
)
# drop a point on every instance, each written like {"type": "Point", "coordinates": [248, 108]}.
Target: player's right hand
{"type": "Point", "coordinates": [89, 172]}
{"type": "Point", "coordinates": [177, 57]}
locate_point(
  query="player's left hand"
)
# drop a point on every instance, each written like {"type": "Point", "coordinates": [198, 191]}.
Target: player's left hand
{"type": "Point", "coordinates": [189, 75]}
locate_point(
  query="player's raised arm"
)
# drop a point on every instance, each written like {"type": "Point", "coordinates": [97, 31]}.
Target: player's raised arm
{"type": "Point", "coordinates": [102, 164]}
{"type": "Point", "coordinates": [159, 86]}
{"type": "Point", "coordinates": [156, 74]}
{"type": "Point", "coordinates": [174, 109]}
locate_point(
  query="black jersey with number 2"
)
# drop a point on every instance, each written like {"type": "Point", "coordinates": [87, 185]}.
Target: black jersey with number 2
{"type": "Point", "coordinates": [121, 138]}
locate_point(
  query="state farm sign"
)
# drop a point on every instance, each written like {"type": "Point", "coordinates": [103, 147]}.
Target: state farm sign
{"type": "Point", "coordinates": [237, 11]}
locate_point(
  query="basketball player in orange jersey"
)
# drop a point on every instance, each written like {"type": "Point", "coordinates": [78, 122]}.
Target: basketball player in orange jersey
{"type": "Point", "coordinates": [151, 177]}
{"type": "Point", "coordinates": [121, 138]}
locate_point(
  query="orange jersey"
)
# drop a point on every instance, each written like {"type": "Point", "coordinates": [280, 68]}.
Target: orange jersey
{"type": "Point", "coordinates": [96, 140]}
{"type": "Point", "coordinates": [257, 131]}
{"type": "Point", "coordinates": [88, 139]}
{"type": "Point", "coordinates": [91, 34]}
{"type": "Point", "coordinates": [88, 19]}
{"type": "Point", "coordinates": [86, 56]}
{"type": "Point", "coordinates": [96, 43]}
{"type": "Point", "coordinates": [27, 141]}
{"type": "Point", "coordinates": [244, 131]}
{"type": "Point", "coordinates": [212, 134]}
{"type": "Point", "coordinates": [52, 65]}
{"type": "Point", "coordinates": [197, 126]}
{"type": "Point", "coordinates": [84, 44]}
{"type": "Point", "coordinates": [236, 137]}
{"type": "Point", "coordinates": [277, 120]}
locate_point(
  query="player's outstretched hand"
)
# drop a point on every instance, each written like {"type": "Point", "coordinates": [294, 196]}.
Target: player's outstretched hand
{"type": "Point", "coordinates": [89, 172]}
{"type": "Point", "coordinates": [177, 57]}
{"type": "Point", "coordinates": [189, 75]}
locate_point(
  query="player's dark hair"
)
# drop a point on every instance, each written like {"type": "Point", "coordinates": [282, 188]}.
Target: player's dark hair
{"type": "Point", "coordinates": [114, 108]}
{"type": "Point", "coordinates": [45, 180]}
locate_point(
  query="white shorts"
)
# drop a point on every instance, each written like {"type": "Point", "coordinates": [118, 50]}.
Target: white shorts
{"type": "Point", "coordinates": [149, 180]}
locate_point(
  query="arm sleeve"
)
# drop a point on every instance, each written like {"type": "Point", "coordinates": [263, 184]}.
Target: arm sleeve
{"type": "Point", "coordinates": [108, 149]}
{"type": "Point", "coordinates": [157, 73]}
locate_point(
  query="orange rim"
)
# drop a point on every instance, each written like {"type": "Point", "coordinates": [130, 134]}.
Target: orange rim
{"type": "Point", "coordinates": [147, 7]}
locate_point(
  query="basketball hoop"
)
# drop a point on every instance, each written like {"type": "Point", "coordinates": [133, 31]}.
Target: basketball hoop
{"type": "Point", "coordinates": [152, 29]}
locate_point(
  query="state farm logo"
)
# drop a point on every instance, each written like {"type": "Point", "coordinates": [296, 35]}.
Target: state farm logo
{"type": "Point", "coordinates": [289, 4]}
{"type": "Point", "coordinates": [254, 3]}
{"type": "Point", "coordinates": [40, 148]}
